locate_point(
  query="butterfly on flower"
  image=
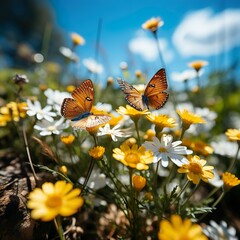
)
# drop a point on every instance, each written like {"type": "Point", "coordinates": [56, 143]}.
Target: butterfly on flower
{"type": "Point", "coordinates": [154, 96]}
{"type": "Point", "coordinates": [78, 108]}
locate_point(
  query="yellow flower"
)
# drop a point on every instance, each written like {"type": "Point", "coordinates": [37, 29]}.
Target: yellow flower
{"type": "Point", "coordinates": [197, 65]}
{"type": "Point", "coordinates": [77, 39]}
{"type": "Point", "coordinates": [54, 199]}
{"type": "Point", "coordinates": [132, 112]}
{"type": "Point", "coordinates": [130, 141]}
{"type": "Point", "coordinates": [138, 73]}
{"type": "Point", "coordinates": [178, 229]}
{"type": "Point", "coordinates": [4, 119]}
{"type": "Point", "coordinates": [149, 135]}
{"type": "Point", "coordinates": [63, 169]}
{"type": "Point", "coordinates": [199, 147]}
{"type": "Point", "coordinates": [196, 170]}
{"type": "Point", "coordinates": [68, 139]}
{"type": "Point", "coordinates": [12, 112]}
{"type": "Point", "coordinates": [115, 120]}
{"type": "Point", "coordinates": [110, 81]}
{"type": "Point", "coordinates": [97, 152]}
{"type": "Point", "coordinates": [189, 118]}
{"type": "Point", "coordinates": [70, 88]}
{"type": "Point", "coordinates": [133, 157]}
{"type": "Point", "coordinates": [153, 24]}
{"type": "Point", "coordinates": [161, 121]}
{"type": "Point", "coordinates": [233, 134]}
{"type": "Point", "coordinates": [138, 182]}
{"type": "Point", "coordinates": [230, 180]}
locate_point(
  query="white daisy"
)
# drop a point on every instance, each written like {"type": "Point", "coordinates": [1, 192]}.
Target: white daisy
{"type": "Point", "coordinates": [93, 66]}
{"type": "Point", "coordinates": [69, 54]}
{"type": "Point", "coordinates": [35, 109]}
{"type": "Point", "coordinates": [183, 76]}
{"type": "Point", "coordinates": [114, 132]}
{"type": "Point", "coordinates": [47, 128]}
{"type": "Point", "coordinates": [220, 231]}
{"type": "Point", "coordinates": [96, 181]}
{"type": "Point", "coordinates": [55, 98]}
{"type": "Point", "coordinates": [166, 149]}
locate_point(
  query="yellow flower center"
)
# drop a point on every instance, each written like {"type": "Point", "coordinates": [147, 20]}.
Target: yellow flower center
{"type": "Point", "coordinates": [132, 158]}
{"type": "Point", "coordinates": [54, 201]}
{"type": "Point", "coordinates": [195, 168]}
{"type": "Point", "coordinates": [162, 149]}
{"type": "Point", "coordinates": [51, 128]}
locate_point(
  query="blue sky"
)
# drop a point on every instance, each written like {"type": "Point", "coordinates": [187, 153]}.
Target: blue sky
{"type": "Point", "coordinates": [208, 30]}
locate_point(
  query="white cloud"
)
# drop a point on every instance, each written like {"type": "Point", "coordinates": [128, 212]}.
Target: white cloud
{"type": "Point", "coordinates": [201, 33]}
{"type": "Point", "coordinates": [146, 47]}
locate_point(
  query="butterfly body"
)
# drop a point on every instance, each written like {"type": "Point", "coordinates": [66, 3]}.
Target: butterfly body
{"type": "Point", "coordinates": [154, 96]}
{"type": "Point", "coordinates": [81, 116]}
{"type": "Point", "coordinates": [78, 108]}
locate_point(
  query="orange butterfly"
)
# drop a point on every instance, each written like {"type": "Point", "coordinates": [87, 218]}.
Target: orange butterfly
{"type": "Point", "coordinates": [78, 108]}
{"type": "Point", "coordinates": [155, 95]}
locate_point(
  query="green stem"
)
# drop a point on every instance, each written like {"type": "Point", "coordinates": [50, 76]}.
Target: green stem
{"type": "Point", "coordinates": [137, 130]}
{"type": "Point", "coordinates": [184, 129]}
{"type": "Point", "coordinates": [190, 195]}
{"type": "Point", "coordinates": [133, 207]}
{"type": "Point", "coordinates": [181, 191]}
{"type": "Point", "coordinates": [212, 192]}
{"type": "Point", "coordinates": [214, 205]}
{"type": "Point", "coordinates": [233, 160]}
{"type": "Point", "coordinates": [159, 50]}
{"type": "Point", "coordinates": [156, 175]}
{"type": "Point", "coordinates": [219, 199]}
{"type": "Point", "coordinates": [58, 225]}
{"type": "Point", "coordinates": [90, 166]}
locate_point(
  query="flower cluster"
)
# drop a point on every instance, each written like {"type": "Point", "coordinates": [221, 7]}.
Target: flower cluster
{"type": "Point", "coordinates": [153, 168]}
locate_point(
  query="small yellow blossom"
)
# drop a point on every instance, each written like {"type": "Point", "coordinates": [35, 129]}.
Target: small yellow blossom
{"type": "Point", "coordinates": [115, 120]}
{"type": "Point", "coordinates": [12, 111]}
{"type": "Point", "coordinates": [233, 134]}
{"type": "Point", "coordinates": [199, 147]}
{"type": "Point", "coordinates": [138, 73]}
{"type": "Point", "coordinates": [197, 65]}
{"type": "Point", "coordinates": [54, 199]}
{"type": "Point", "coordinates": [97, 152]}
{"type": "Point", "coordinates": [43, 87]}
{"type": "Point", "coordinates": [189, 118]}
{"type": "Point", "coordinates": [178, 229]}
{"type": "Point", "coordinates": [133, 156]}
{"type": "Point", "coordinates": [130, 141]}
{"type": "Point", "coordinates": [195, 89]}
{"type": "Point", "coordinates": [149, 135]}
{"type": "Point", "coordinates": [70, 88]}
{"type": "Point", "coordinates": [68, 139]}
{"type": "Point", "coordinates": [138, 182]}
{"type": "Point", "coordinates": [230, 180]}
{"type": "Point", "coordinates": [196, 170]}
{"type": "Point", "coordinates": [77, 39]}
{"type": "Point", "coordinates": [161, 121]}
{"type": "Point", "coordinates": [63, 169]}
{"type": "Point", "coordinates": [148, 196]}
{"type": "Point", "coordinates": [132, 112]}
{"type": "Point", "coordinates": [52, 67]}
{"type": "Point", "coordinates": [110, 81]}
{"type": "Point", "coordinates": [153, 24]}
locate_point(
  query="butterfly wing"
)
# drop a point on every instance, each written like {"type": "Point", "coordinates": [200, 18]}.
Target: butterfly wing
{"type": "Point", "coordinates": [91, 121]}
{"type": "Point", "coordinates": [155, 91]}
{"type": "Point", "coordinates": [84, 96]}
{"type": "Point", "coordinates": [132, 95]}
{"type": "Point", "coordinates": [70, 109]}
{"type": "Point", "coordinates": [82, 101]}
